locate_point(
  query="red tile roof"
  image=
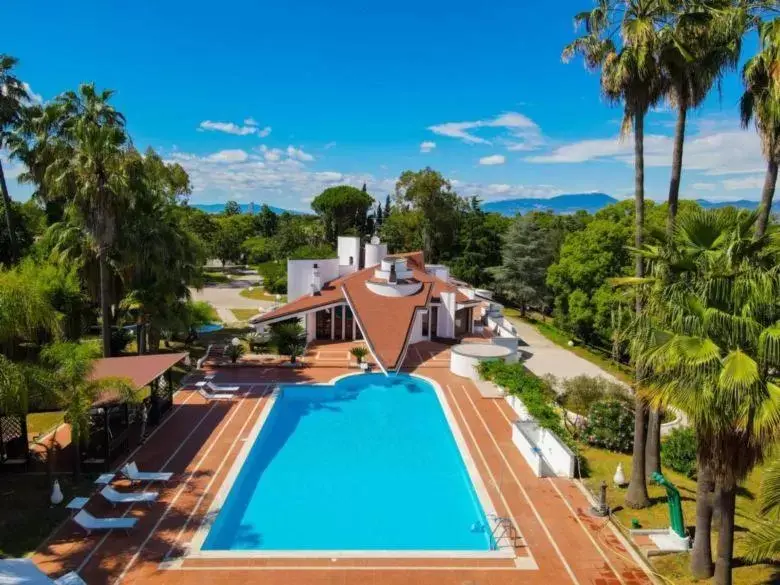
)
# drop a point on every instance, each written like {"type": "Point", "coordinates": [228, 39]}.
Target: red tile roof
{"type": "Point", "coordinates": [386, 322]}
{"type": "Point", "coordinates": [139, 369]}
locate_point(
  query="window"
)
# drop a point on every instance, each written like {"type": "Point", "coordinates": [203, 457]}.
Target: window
{"type": "Point", "coordinates": [425, 324]}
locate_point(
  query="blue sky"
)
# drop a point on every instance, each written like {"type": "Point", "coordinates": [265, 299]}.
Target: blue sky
{"type": "Point", "coordinates": [272, 102]}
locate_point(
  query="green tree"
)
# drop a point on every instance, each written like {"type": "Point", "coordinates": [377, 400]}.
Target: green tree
{"type": "Point", "coordinates": [401, 230]}
{"type": "Point", "coordinates": [527, 254]}
{"type": "Point", "coordinates": [343, 210]}
{"type": "Point", "coordinates": [90, 169]}
{"type": "Point", "coordinates": [266, 221]}
{"type": "Point", "coordinates": [232, 208]}
{"type": "Point", "coordinates": [622, 41]}
{"type": "Point", "coordinates": [479, 244]}
{"type": "Point", "coordinates": [440, 208]}
{"type": "Point", "coordinates": [71, 367]}
{"type": "Point", "coordinates": [13, 95]}
{"type": "Point", "coordinates": [709, 339]}
{"type": "Point", "coordinates": [231, 232]}
{"type": "Point", "coordinates": [761, 102]}
{"type": "Point", "coordinates": [764, 540]}
{"type": "Point", "coordinates": [289, 338]}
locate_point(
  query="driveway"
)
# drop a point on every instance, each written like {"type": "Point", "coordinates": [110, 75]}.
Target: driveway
{"type": "Point", "coordinates": [224, 297]}
{"type": "Point", "coordinates": [543, 357]}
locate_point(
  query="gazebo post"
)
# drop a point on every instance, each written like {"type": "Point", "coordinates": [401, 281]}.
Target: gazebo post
{"type": "Point", "coordinates": [107, 434]}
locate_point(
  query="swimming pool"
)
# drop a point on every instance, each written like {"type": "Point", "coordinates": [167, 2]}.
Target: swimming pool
{"type": "Point", "coordinates": [367, 464]}
{"type": "Point", "coordinates": [210, 327]}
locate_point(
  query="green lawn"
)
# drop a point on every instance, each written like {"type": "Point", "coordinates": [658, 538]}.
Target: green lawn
{"type": "Point", "coordinates": [545, 327]}
{"type": "Point", "coordinates": [26, 516]}
{"type": "Point", "coordinates": [602, 465]}
{"type": "Point", "coordinates": [42, 422]}
{"type": "Point", "coordinates": [244, 314]}
{"type": "Point", "coordinates": [259, 294]}
{"type": "Point", "coordinates": [215, 277]}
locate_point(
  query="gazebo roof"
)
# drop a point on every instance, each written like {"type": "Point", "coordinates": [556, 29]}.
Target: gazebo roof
{"type": "Point", "coordinates": [141, 370]}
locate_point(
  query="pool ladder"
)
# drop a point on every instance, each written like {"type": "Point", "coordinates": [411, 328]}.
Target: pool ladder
{"type": "Point", "coordinates": [503, 528]}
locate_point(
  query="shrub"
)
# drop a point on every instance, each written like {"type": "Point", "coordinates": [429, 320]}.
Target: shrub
{"type": "Point", "coordinates": [234, 351]}
{"type": "Point", "coordinates": [274, 276]}
{"type": "Point", "coordinates": [258, 249]}
{"type": "Point", "coordinates": [581, 392]}
{"type": "Point", "coordinates": [678, 451]}
{"type": "Point", "coordinates": [289, 338]}
{"type": "Point", "coordinates": [536, 395]}
{"type": "Point", "coordinates": [255, 340]}
{"type": "Point", "coordinates": [120, 338]}
{"type": "Point", "coordinates": [611, 425]}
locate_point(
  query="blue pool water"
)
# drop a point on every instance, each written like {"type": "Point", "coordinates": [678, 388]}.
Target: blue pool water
{"type": "Point", "coordinates": [210, 327]}
{"type": "Point", "coordinates": [367, 464]}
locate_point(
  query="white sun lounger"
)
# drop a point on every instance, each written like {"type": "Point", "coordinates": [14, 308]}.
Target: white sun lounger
{"type": "Point", "coordinates": [210, 396]}
{"type": "Point", "coordinates": [220, 389]}
{"type": "Point", "coordinates": [116, 497]}
{"type": "Point", "coordinates": [89, 523]}
{"type": "Point", "coordinates": [26, 572]}
{"type": "Point", "coordinates": [130, 471]}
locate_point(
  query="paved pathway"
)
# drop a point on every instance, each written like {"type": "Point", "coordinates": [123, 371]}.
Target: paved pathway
{"type": "Point", "coordinates": [544, 357]}
{"type": "Point", "coordinates": [224, 297]}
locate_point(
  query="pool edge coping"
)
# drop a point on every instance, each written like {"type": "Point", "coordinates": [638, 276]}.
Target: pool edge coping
{"type": "Point", "coordinates": [194, 548]}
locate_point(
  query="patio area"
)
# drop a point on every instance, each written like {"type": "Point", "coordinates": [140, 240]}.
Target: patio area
{"type": "Point", "coordinates": [558, 542]}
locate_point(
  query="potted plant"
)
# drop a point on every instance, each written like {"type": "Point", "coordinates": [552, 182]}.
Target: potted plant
{"type": "Point", "coordinates": [254, 340]}
{"type": "Point", "coordinates": [359, 352]}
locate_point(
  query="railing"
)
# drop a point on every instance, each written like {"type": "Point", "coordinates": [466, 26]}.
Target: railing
{"type": "Point", "coordinates": [504, 528]}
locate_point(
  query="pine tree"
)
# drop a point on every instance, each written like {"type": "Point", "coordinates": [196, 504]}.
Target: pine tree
{"type": "Point", "coordinates": [379, 217]}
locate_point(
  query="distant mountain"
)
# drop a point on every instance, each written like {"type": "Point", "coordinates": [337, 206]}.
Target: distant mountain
{"type": "Point", "coordinates": [245, 207]}
{"type": "Point", "coordinates": [590, 202]}
{"type": "Point", "coordinates": [569, 203]}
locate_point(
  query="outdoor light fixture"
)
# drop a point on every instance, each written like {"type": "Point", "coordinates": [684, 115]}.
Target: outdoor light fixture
{"type": "Point", "coordinates": [236, 341]}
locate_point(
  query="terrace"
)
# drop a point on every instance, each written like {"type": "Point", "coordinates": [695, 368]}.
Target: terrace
{"type": "Point", "coordinates": [556, 540]}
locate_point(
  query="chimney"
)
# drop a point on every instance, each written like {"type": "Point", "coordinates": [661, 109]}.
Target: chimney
{"type": "Point", "coordinates": [316, 281]}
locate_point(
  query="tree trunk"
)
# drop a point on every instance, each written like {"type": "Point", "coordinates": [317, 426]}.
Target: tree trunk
{"type": "Point", "coordinates": [653, 444]}
{"type": "Point", "coordinates": [105, 302]}
{"type": "Point", "coordinates": [677, 158]}
{"type": "Point", "coordinates": [723, 563]}
{"type": "Point", "coordinates": [636, 496]}
{"type": "Point", "coordinates": [154, 339]}
{"type": "Point", "coordinates": [767, 194]}
{"type": "Point", "coordinates": [75, 440]}
{"type": "Point", "coordinates": [9, 219]}
{"type": "Point", "coordinates": [701, 556]}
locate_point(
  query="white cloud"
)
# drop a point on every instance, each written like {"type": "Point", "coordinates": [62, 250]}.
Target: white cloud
{"type": "Point", "coordinates": [753, 182]}
{"type": "Point", "coordinates": [329, 145]}
{"type": "Point", "coordinates": [519, 131]}
{"type": "Point", "coordinates": [250, 127]}
{"type": "Point", "coordinates": [495, 159]}
{"type": "Point", "coordinates": [329, 176]}
{"type": "Point", "coordinates": [710, 150]}
{"type": "Point", "coordinates": [427, 146]}
{"type": "Point", "coordinates": [34, 98]}
{"type": "Point", "coordinates": [704, 186]}
{"type": "Point", "coordinates": [229, 156]}
{"type": "Point", "coordinates": [298, 154]}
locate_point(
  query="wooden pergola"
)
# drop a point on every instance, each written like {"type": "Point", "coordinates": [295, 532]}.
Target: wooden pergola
{"type": "Point", "coordinates": [112, 418]}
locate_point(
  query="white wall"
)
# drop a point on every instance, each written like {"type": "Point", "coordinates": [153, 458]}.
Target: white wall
{"type": "Point", "coordinates": [374, 254]}
{"type": "Point", "coordinates": [439, 271]}
{"type": "Point", "coordinates": [446, 325]}
{"type": "Point", "coordinates": [527, 448]}
{"type": "Point", "coordinates": [309, 321]}
{"type": "Point", "coordinates": [511, 343]}
{"type": "Point", "coordinates": [417, 334]}
{"type": "Point", "coordinates": [348, 246]}
{"type": "Point", "coordinates": [299, 275]}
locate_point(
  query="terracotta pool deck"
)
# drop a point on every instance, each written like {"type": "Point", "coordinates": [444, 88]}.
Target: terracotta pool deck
{"type": "Point", "coordinates": [199, 441]}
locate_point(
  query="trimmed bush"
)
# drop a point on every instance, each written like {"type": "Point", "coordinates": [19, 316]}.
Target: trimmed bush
{"type": "Point", "coordinates": [536, 395]}
{"type": "Point", "coordinates": [581, 392]}
{"type": "Point", "coordinates": [611, 425]}
{"type": "Point", "coordinates": [678, 451]}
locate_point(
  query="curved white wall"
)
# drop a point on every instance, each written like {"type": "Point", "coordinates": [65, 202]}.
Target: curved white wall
{"type": "Point", "coordinates": [374, 254]}
{"type": "Point", "coordinates": [299, 275]}
{"type": "Point", "coordinates": [393, 290]}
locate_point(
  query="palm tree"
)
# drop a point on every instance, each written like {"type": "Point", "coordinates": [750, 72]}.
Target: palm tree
{"type": "Point", "coordinates": [764, 541]}
{"type": "Point", "coordinates": [711, 346]}
{"type": "Point", "coordinates": [71, 366]}
{"type": "Point", "coordinates": [761, 102]}
{"type": "Point", "coordinates": [13, 96]}
{"type": "Point", "coordinates": [93, 170]}
{"type": "Point", "coordinates": [630, 75]}
{"type": "Point", "coordinates": [289, 338]}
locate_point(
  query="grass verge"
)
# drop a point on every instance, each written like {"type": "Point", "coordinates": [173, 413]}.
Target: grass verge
{"type": "Point", "coordinates": [43, 422]}
{"type": "Point", "coordinates": [26, 516]}
{"type": "Point", "coordinates": [260, 294]}
{"type": "Point", "coordinates": [244, 314]}
{"type": "Point", "coordinates": [602, 465]}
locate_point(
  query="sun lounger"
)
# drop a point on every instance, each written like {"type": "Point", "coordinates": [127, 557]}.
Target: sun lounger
{"type": "Point", "coordinates": [210, 396]}
{"type": "Point", "coordinates": [220, 389]}
{"type": "Point", "coordinates": [26, 572]}
{"type": "Point", "coordinates": [89, 523]}
{"type": "Point", "coordinates": [116, 497]}
{"type": "Point", "coordinates": [130, 471]}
